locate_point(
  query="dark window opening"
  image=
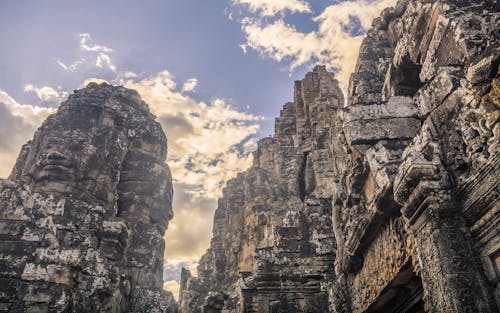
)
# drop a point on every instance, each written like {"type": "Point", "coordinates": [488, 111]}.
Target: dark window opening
{"type": "Point", "coordinates": [406, 78]}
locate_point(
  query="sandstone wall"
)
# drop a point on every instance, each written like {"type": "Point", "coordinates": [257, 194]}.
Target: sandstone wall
{"type": "Point", "coordinates": [389, 204]}
{"type": "Point", "coordinates": [437, 61]}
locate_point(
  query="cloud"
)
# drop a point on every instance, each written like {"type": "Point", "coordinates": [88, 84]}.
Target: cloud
{"type": "Point", "coordinates": [128, 74]}
{"type": "Point", "coordinates": [281, 41]}
{"type": "Point", "coordinates": [190, 85]}
{"type": "Point", "coordinates": [71, 67]}
{"type": "Point", "coordinates": [174, 287]}
{"type": "Point", "coordinates": [171, 273]}
{"type": "Point", "coordinates": [189, 233]}
{"type": "Point", "coordinates": [104, 60]}
{"type": "Point", "coordinates": [335, 43]}
{"type": "Point", "coordinates": [93, 80]}
{"type": "Point", "coordinates": [18, 122]}
{"type": "Point", "coordinates": [12, 128]}
{"type": "Point", "coordinates": [46, 93]}
{"type": "Point", "coordinates": [273, 7]}
{"type": "Point", "coordinates": [204, 137]}
{"type": "Point", "coordinates": [30, 114]}
{"type": "Point", "coordinates": [91, 55]}
{"type": "Point", "coordinates": [84, 45]}
{"type": "Point", "coordinates": [172, 268]}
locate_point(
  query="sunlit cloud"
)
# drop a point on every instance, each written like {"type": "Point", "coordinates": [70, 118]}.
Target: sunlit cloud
{"type": "Point", "coordinates": [273, 7]}
{"type": "Point", "coordinates": [93, 80]}
{"type": "Point", "coordinates": [30, 114]}
{"type": "Point", "coordinates": [205, 138]}
{"type": "Point", "coordinates": [71, 67]}
{"type": "Point", "coordinates": [335, 43]}
{"type": "Point", "coordinates": [128, 74]}
{"type": "Point", "coordinates": [92, 55]}
{"type": "Point", "coordinates": [86, 46]}
{"type": "Point", "coordinates": [190, 85]}
{"type": "Point", "coordinates": [47, 93]}
{"type": "Point", "coordinates": [103, 60]}
{"type": "Point", "coordinates": [173, 286]}
{"type": "Point", "coordinates": [18, 122]}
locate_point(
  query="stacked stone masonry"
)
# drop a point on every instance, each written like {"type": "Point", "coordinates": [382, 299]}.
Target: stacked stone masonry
{"type": "Point", "coordinates": [85, 209]}
{"type": "Point", "coordinates": [389, 203]}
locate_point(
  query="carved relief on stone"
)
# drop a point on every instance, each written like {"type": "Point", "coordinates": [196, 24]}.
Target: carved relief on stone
{"type": "Point", "coordinates": [385, 257]}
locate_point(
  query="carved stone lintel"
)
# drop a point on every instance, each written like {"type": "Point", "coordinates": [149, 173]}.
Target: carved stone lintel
{"type": "Point", "coordinates": [429, 199]}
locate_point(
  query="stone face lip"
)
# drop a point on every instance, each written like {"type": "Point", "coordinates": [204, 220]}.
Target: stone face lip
{"type": "Point", "coordinates": [84, 211]}
{"type": "Point", "coordinates": [389, 204]}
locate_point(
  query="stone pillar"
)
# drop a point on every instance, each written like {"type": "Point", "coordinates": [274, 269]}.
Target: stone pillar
{"type": "Point", "coordinates": [452, 277]}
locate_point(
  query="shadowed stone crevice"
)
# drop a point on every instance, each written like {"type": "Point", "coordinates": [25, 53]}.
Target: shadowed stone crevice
{"type": "Point", "coordinates": [404, 80]}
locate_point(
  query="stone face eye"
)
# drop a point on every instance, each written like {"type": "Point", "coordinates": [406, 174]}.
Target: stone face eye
{"type": "Point", "coordinates": [50, 143]}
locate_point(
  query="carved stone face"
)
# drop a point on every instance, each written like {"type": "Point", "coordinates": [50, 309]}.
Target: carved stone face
{"type": "Point", "coordinates": [106, 150]}
{"type": "Point", "coordinates": [55, 166]}
{"type": "Point", "coordinates": [104, 154]}
{"type": "Point", "coordinates": [56, 163]}
{"type": "Point", "coordinates": [74, 149]}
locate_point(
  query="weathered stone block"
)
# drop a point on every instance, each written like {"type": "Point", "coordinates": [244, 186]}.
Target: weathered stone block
{"type": "Point", "coordinates": [369, 132]}
{"type": "Point", "coordinates": [395, 107]}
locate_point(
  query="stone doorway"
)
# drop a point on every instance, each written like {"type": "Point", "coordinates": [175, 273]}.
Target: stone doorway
{"type": "Point", "coordinates": [403, 295]}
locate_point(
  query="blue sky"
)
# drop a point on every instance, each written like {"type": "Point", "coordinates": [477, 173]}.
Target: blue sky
{"type": "Point", "coordinates": [189, 38]}
{"type": "Point", "coordinates": [214, 72]}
